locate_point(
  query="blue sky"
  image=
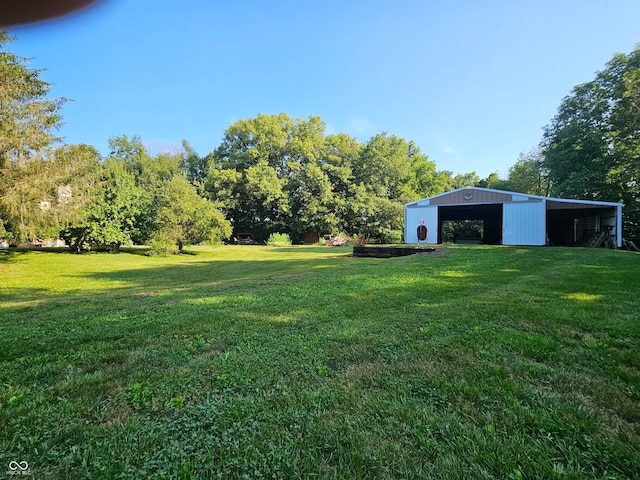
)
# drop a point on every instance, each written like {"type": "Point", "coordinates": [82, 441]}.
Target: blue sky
{"type": "Point", "coordinates": [471, 83]}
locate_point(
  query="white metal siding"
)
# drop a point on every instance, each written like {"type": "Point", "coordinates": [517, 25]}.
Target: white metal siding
{"type": "Point", "coordinates": [619, 225]}
{"type": "Point", "coordinates": [614, 219]}
{"type": "Point", "coordinates": [524, 224]}
{"type": "Point", "coordinates": [412, 219]}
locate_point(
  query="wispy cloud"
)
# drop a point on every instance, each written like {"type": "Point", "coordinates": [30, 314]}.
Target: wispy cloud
{"type": "Point", "coordinates": [360, 125]}
{"type": "Point", "coordinates": [448, 150]}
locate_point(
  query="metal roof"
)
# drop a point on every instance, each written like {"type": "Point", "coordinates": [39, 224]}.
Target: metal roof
{"type": "Point", "coordinates": [504, 192]}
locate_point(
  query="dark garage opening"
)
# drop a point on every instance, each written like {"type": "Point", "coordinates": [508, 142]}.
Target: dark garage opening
{"type": "Point", "coordinates": [561, 224]}
{"type": "Point", "coordinates": [489, 214]}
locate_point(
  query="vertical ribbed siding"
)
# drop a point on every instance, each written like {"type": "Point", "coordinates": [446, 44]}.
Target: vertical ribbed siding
{"type": "Point", "coordinates": [524, 224]}
{"type": "Point", "coordinates": [412, 217]}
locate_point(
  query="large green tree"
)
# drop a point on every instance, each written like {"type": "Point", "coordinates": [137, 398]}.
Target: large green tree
{"type": "Point", "coordinates": [47, 194]}
{"type": "Point", "coordinates": [185, 218]}
{"type": "Point", "coordinates": [462, 180]}
{"type": "Point", "coordinates": [592, 146]}
{"type": "Point", "coordinates": [341, 154]}
{"type": "Point", "coordinates": [275, 173]}
{"type": "Point", "coordinates": [529, 174]}
{"type": "Point", "coordinates": [387, 172]}
{"type": "Point", "coordinates": [493, 181]}
{"type": "Point", "coordinates": [28, 119]}
{"type": "Point", "coordinates": [110, 220]}
{"type": "Point", "coordinates": [259, 166]}
{"type": "Point", "coordinates": [194, 166]}
{"type": "Point", "coordinates": [312, 200]}
{"type": "Point", "coordinates": [151, 174]}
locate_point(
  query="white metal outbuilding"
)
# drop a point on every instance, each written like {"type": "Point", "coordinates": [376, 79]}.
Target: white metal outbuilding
{"type": "Point", "coordinates": [511, 218]}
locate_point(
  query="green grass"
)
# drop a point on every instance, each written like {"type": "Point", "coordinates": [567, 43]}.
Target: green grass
{"type": "Point", "coordinates": [304, 362]}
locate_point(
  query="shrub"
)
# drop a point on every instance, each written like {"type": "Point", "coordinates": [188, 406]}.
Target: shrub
{"type": "Point", "coordinates": [279, 240]}
{"type": "Point", "coordinates": [389, 236]}
{"type": "Point", "coordinates": [162, 243]}
{"type": "Point", "coordinates": [360, 240]}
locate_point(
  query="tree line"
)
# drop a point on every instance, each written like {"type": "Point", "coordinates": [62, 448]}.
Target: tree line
{"type": "Point", "coordinates": [275, 173]}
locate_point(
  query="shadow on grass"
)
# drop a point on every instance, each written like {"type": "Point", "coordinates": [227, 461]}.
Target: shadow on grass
{"type": "Point", "coordinates": [470, 287]}
{"type": "Point", "coordinates": [21, 295]}
{"type": "Point", "coordinates": [337, 274]}
{"type": "Point", "coordinates": [355, 341]}
{"type": "Point", "coordinates": [171, 298]}
{"type": "Point", "coordinates": [11, 253]}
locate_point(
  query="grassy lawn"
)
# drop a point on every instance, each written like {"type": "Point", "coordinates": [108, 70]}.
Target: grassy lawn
{"type": "Point", "coordinates": [304, 362]}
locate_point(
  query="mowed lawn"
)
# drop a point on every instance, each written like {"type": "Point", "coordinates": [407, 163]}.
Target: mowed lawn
{"type": "Point", "coordinates": [304, 362]}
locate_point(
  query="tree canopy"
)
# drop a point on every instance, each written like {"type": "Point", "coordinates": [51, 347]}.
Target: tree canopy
{"type": "Point", "coordinates": [274, 173]}
{"type": "Point", "coordinates": [27, 117]}
{"type": "Point", "coordinates": [27, 122]}
{"type": "Point", "coordinates": [591, 148]}
{"type": "Point", "coordinates": [279, 174]}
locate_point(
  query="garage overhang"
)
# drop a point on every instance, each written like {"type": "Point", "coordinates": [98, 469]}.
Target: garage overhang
{"type": "Point", "coordinates": [527, 216]}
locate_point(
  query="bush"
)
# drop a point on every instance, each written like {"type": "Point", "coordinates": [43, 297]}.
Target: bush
{"type": "Point", "coordinates": [162, 243]}
{"type": "Point", "coordinates": [391, 237]}
{"type": "Point", "coordinates": [279, 240]}
{"type": "Point", "coordinates": [360, 240]}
